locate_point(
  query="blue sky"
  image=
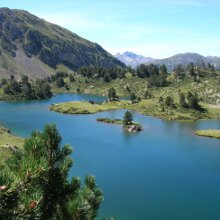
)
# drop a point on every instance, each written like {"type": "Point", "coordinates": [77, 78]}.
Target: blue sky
{"type": "Point", "coordinates": [155, 28]}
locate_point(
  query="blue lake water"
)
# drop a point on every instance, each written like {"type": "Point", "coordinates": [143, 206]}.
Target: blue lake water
{"type": "Point", "coordinates": [162, 173]}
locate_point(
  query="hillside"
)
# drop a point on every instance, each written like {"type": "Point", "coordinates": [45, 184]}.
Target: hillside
{"type": "Point", "coordinates": [29, 45]}
{"type": "Point", "coordinates": [132, 59]}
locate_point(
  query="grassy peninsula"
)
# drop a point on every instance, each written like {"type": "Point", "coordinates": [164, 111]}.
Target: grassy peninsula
{"type": "Point", "coordinates": [209, 133]}
{"type": "Point", "coordinates": [82, 107]}
{"type": "Point", "coordinates": [146, 107]}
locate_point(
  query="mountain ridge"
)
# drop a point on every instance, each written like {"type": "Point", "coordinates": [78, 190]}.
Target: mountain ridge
{"type": "Point", "coordinates": [171, 62]}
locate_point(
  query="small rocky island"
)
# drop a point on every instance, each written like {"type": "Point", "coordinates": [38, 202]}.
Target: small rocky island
{"type": "Point", "coordinates": [128, 124]}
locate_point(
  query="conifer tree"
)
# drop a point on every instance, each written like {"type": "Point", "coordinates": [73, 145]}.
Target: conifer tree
{"type": "Point", "coordinates": [112, 96]}
{"type": "Point", "coordinates": [182, 101]}
{"type": "Point", "coordinates": [193, 100]}
{"type": "Point", "coordinates": [128, 118]}
{"type": "Point", "coordinates": [133, 97]}
{"type": "Point", "coordinates": [34, 182]}
{"type": "Point", "coordinates": [169, 101]}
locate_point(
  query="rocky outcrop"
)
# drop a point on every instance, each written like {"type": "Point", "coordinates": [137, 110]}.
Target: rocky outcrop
{"type": "Point", "coordinates": [132, 128]}
{"type": "Point", "coordinates": [10, 147]}
{"type": "Point", "coordinates": [4, 130]}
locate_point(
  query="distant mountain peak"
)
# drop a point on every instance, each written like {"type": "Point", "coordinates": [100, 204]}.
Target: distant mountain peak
{"type": "Point", "coordinates": [132, 59]}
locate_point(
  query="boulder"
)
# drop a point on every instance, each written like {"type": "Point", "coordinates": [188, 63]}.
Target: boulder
{"type": "Point", "coordinates": [132, 128]}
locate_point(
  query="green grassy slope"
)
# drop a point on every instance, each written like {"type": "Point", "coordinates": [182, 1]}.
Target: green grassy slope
{"type": "Point", "coordinates": [208, 89]}
{"type": "Point", "coordinates": [8, 139]}
{"type": "Point", "coordinates": [8, 143]}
